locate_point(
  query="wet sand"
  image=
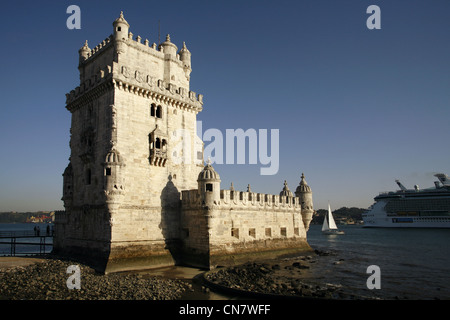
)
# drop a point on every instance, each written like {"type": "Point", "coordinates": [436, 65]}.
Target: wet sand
{"type": "Point", "coordinates": [11, 262]}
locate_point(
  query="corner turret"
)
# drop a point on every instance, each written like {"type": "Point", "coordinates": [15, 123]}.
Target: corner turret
{"type": "Point", "coordinates": [169, 49]}
{"type": "Point", "coordinates": [121, 28]}
{"type": "Point", "coordinates": [209, 185]}
{"type": "Point", "coordinates": [84, 52]}
{"type": "Point", "coordinates": [286, 192]}
{"type": "Point", "coordinates": [185, 57]}
{"type": "Point", "coordinates": [113, 184]}
{"type": "Point", "coordinates": [304, 192]}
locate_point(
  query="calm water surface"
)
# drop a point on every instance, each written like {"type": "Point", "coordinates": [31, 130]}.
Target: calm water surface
{"type": "Point", "coordinates": [414, 263]}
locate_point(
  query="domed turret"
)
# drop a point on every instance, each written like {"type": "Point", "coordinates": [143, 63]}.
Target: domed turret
{"type": "Point", "coordinates": [113, 184]}
{"type": "Point", "coordinates": [169, 47]}
{"type": "Point", "coordinates": [304, 192]}
{"type": "Point", "coordinates": [185, 55]}
{"type": "Point", "coordinates": [121, 27]}
{"type": "Point", "coordinates": [84, 52]}
{"type": "Point", "coordinates": [286, 192]}
{"type": "Point", "coordinates": [303, 187]}
{"type": "Point", "coordinates": [209, 185]}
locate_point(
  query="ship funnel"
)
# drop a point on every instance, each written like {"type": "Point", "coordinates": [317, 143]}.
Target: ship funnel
{"type": "Point", "coordinates": [443, 178]}
{"type": "Point", "coordinates": [402, 187]}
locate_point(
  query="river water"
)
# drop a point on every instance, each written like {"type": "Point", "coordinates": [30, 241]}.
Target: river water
{"type": "Point", "coordinates": [413, 263]}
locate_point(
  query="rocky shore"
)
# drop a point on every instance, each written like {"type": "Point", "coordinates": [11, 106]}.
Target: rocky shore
{"type": "Point", "coordinates": [46, 280]}
{"type": "Point", "coordinates": [308, 277]}
{"type": "Point", "coordinates": [286, 278]}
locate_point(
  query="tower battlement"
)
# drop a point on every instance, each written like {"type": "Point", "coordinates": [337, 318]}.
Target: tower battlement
{"type": "Point", "coordinates": [156, 72]}
{"type": "Point", "coordinates": [243, 199]}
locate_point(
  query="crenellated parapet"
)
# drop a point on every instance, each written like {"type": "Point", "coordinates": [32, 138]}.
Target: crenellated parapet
{"type": "Point", "coordinates": [146, 85]}
{"type": "Point", "coordinates": [155, 89]}
{"type": "Point", "coordinates": [90, 89]}
{"type": "Point", "coordinates": [121, 61]}
{"type": "Point", "coordinates": [240, 199]}
{"type": "Point", "coordinates": [87, 54]}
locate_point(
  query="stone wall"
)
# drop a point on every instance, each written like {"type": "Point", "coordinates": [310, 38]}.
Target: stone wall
{"type": "Point", "coordinates": [241, 226]}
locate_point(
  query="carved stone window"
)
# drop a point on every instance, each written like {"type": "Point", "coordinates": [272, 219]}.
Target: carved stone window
{"type": "Point", "coordinates": [158, 148]}
{"type": "Point", "coordinates": [156, 111]}
{"type": "Point", "coordinates": [159, 112]}
{"type": "Point", "coordinates": [152, 110]}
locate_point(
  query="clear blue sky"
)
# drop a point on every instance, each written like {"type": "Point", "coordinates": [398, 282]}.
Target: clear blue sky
{"type": "Point", "coordinates": [356, 108]}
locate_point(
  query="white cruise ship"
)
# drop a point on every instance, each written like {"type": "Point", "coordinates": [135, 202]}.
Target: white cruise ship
{"type": "Point", "coordinates": [412, 208]}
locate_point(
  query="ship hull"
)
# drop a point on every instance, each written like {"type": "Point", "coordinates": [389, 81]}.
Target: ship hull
{"type": "Point", "coordinates": [415, 210]}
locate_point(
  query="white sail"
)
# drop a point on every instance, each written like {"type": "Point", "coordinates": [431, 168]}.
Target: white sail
{"type": "Point", "coordinates": [331, 223]}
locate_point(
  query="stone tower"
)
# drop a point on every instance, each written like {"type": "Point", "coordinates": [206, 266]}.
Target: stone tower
{"type": "Point", "coordinates": [134, 147]}
{"type": "Point", "coordinates": [304, 192]}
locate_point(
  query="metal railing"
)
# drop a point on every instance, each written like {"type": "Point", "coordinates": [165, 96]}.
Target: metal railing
{"type": "Point", "coordinates": [14, 235]}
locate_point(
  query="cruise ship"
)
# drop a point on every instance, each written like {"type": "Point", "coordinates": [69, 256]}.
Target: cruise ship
{"type": "Point", "coordinates": [412, 208]}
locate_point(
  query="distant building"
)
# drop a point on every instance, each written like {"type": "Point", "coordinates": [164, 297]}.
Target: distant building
{"type": "Point", "coordinates": [130, 202]}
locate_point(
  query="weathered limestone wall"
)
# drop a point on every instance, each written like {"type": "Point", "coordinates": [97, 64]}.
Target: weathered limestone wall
{"type": "Point", "coordinates": [242, 226]}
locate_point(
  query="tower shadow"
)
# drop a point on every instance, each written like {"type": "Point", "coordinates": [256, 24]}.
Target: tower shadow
{"type": "Point", "coordinates": [170, 219]}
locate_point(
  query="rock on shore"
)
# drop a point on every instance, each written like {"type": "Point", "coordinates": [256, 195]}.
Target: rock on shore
{"type": "Point", "coordinates": [286, 277]}
{"type": "Point", "coordinates": [262, 278]}
{"type": "Point", "coordinates": [47, 281]}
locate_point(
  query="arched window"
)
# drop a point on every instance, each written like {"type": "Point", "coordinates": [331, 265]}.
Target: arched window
{"type": "Point", "coordinates": [158, 143]}
{"type": "Point", "coordinates": [152, 110]}
{"type": "Point", "coordinates": [159, 112]}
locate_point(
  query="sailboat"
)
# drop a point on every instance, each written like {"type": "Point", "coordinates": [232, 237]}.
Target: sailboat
{"type": "Point", "coordinates": [330, 227]}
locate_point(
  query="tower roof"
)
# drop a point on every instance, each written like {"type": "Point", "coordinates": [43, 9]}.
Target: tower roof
{"type": "Point", "coordinates": [113, 156]}
{"type": "Point", "coordinates": [303, 186]}
{"type": "Point", "coordinates": [121, 19]}
{"type": "Point", "coordinates": [208, 173]}
{"type": "Point", "coordinates": [168, 43]}
{"type": "Point", "coordinates": [286, 192]}
{"type": "Point", "coordinates": [184, 49]}
{"type": "Point", "coordinates": [85, 47]}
